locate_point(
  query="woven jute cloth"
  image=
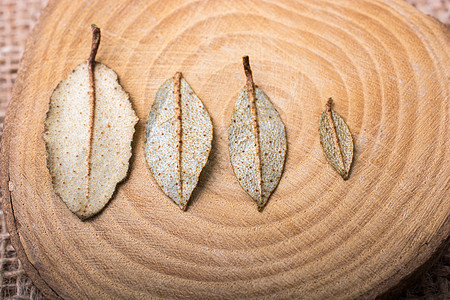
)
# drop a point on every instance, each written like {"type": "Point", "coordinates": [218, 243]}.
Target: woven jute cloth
{"type": "Point", "coordinates": [17, 18]}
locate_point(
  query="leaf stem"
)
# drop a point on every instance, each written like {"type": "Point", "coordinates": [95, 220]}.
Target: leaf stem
{"type": "Point", "coordinates": [95, 44]}
{"type": "Point", "coordinates": [251, 92]}
{"type": "Point", "coordinates": [177, 95]}
{"type": "Point", "coordinates": [248, 73]}
{"type": "Point", "coordinates": [91, 69]}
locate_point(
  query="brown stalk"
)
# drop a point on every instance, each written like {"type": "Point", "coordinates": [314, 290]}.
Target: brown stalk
{"type": "Point", "coordinates": [334, 135]}
{"type": "Point", "coordinates": [177, 92]}
{"type": "Point", "coordinates": [91, 68]}
{"type": "Point", "coordinates": [251, 91]}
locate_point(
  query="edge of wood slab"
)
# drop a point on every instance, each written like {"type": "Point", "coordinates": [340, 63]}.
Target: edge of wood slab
{"type": "Point", "coordinates": [8, 209]}
{"type": "Point", "coordinates": [389, 289]}
{"type": "Point", "coordinates": [394, 291]}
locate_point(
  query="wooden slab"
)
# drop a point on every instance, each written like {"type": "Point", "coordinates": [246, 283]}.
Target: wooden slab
{"type": "Point", "coordinates": [385, 64]}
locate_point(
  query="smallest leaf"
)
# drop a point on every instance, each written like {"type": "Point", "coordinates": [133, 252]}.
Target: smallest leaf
{"type": "Point", "coordinates": [336, 140]}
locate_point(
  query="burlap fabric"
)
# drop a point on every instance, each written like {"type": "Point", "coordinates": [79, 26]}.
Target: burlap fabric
{"type": "Point", "coordinates": [17, 18]}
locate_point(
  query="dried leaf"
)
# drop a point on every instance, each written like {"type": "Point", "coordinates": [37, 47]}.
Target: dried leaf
{"type": "Point", "coordinates": [336, 140]}
{"type": "Point", "coordinates": [257, 141]}
{"type": "Point", "coordinates": [88, 132]}
{"type": "Point", "coordinates": [179, 135]}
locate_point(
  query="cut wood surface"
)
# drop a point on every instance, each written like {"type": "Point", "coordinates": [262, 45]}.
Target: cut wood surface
{"type": "Point", "coordinates": [386, 66]}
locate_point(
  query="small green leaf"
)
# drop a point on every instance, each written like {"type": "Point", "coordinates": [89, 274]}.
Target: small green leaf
{"type": "Point", "coordinates": [336, 140]}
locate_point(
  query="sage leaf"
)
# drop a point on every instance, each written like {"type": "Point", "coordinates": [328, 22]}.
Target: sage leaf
{"type": "Point", "coordinates": [87, 133]}
{"type": "Point", "coordinates": [257, 141]}
{"type": "Point", "coordinates": [179, 134]}
{"type": "Point", "coordinates": [336, 140]}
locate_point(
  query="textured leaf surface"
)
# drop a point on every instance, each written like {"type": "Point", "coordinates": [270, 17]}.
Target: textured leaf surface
{"type": "Point", "coordinates": [257, 144]}
{"type": "Point", "coordinates": [179, 135]}
{"type": "Point", "coordinates": [336, 140]}
{"type": "Point", "coordinates": [88, 147]}
{"type": "Point", "coordinates": [67, 139]}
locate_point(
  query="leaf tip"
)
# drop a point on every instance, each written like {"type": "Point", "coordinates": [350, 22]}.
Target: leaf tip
{"type": "Point", "coordinates": [261, 203]}
{"type": "Point", "coordinates": [329, 103]}
{"type": "Point", "coordinates": [183, 205]}
{"type": "Point", "coordinates": [178, 76]}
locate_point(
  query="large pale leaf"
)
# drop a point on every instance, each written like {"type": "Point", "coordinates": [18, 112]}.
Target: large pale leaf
{"type": "Point", "coordinates": [336, 140]}
{"type": "Point", "coordinates": [88, 133]}
{"type": "Point", "coordinates": [257, 142]}
{"type": "Point", "coordinates": [179, 135]}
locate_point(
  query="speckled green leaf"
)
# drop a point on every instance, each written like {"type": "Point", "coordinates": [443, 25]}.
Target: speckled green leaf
{"type": "Point", "coordinates": [257, 142]}
{"type": "Point", "coordinates": [336, 140]}
{"type": "Point", "coordinates": [178, 139]}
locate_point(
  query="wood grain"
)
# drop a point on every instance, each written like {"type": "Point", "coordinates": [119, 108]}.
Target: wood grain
{"type": "Point", "coordinates": [386, 66]}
